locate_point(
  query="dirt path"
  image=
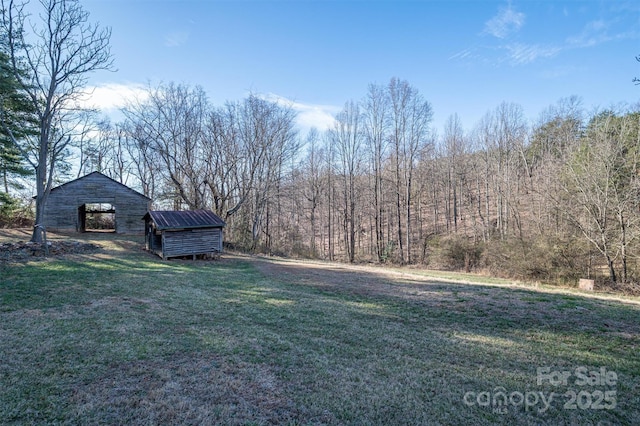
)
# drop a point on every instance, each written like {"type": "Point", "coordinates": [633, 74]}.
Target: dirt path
{"type": "Point", "coordinates": [523, 304]}
{"type": "Point", "coordinates": [362, 280]}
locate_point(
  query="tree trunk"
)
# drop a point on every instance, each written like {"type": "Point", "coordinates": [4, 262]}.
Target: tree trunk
{"type": "Point", "coordinates": [612, 270]}
{"type": "Point", "coordinates": [42, 188]}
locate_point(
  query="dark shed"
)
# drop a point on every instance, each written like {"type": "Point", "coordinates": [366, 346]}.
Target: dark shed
{"type": "Point", "coordinates": [75, 205]}
{"type": "Point", "coordinates": [183, 233]}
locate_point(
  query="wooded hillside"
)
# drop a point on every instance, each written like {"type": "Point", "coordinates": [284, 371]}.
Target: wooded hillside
{"type": "Point", "coordinates": [554, 200]}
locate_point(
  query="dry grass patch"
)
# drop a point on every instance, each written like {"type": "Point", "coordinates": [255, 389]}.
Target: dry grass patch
{"type": "Point", "coordinates": [194, 389]}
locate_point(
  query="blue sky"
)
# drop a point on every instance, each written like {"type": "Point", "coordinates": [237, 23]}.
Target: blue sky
{"type": "Point", "coordinates": [465, 57]}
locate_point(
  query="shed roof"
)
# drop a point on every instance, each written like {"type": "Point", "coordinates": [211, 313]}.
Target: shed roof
{"type": "Point", "coordinates": [169, 219]}
{"type": "Point", "coordinates": [102, 176]}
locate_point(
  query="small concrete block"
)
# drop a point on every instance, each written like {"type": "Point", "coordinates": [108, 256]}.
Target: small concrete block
{"type": "Point", "coordinates": [585, 284]}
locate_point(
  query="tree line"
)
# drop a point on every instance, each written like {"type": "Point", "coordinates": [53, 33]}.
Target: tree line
{"type": "Point", "coordinates": [554, 199]}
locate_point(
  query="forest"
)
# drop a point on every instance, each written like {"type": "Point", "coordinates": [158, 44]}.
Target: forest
{"type": "Point", "coordinates": [554, 200]}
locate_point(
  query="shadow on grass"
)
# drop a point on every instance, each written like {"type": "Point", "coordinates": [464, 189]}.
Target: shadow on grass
{"type": "Point", "coordinates": [131, 338]}
{"type": "Point", "coordinates": [496, 334]}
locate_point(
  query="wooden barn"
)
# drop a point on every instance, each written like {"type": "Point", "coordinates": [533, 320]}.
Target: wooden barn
{"type": "Point", "coordinates": [96, 202]}
{"type": "Point", "coordinates": [183, 233]}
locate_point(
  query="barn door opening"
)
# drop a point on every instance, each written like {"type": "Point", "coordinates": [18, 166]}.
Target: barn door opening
{"type": "Point", "coordinates": [97, 217]}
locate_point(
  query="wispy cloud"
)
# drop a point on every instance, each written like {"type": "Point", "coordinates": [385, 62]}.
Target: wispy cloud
{"type": "Point", "coordinates": [521, 53]}
{"type": "Point", "coordinates": [467, 53]}
{"type": "Point", "coordinates": [176, 38]}
{"type": "Point", "coordinates": [517, 51]}
{"type": "Point", "coordinates": [598, 32]}
{"type": "Point", "coordinates": [110, 97]}
{"type": "Point", "coordinates": [308, 115]}
{"type": "Point", "coordinates": [595, 32]}
{"type": "Point", "coordinates": [506, 22]}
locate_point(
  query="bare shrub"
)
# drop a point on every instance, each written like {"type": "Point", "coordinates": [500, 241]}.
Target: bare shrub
{"type": "Point", "coordinates": [455, 252]}
{"type": "Point", "coordinates": [542, 258]}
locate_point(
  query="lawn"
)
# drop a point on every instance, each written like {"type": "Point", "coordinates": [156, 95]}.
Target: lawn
{"type": "Point", "coordinates": [119, 336]}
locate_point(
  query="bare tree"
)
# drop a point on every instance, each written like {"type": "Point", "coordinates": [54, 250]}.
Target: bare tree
{"type": "Point", "coordinates": [346, 136]}
{"type": "Point", "coordinates": [58, 57]}
{"type": "Point", "coordinates": [92, 143]}
{"type": "Point", "coordinates": [554, 137]}
{"type": "Point", "coordinates": [410, 119]}
{"type": "Point", "coordinates": [103, 148]}
{"type": "Point", "coordinates": [59, 54]}
{"type": "Point", "coordinates": [503, 132]}
{"type": "Point", "coordinates": [376, 126]}
{"type": "Point", "coordinates": [314, 188]}
{"type": "Point", "coordinates": [143, 159]}
{"type": "Point", "coordinates": [246, 149]}
{"type": "Point", "coordinates": [330, 182]}
{"type": "Point", "coordinates": [601, 187]}
{"type": "Point", "coordinates": [453, 145]}
{"type": "Point", "coordinates": [269, 136]}
{"type": "Point", "coordinates": [171, 121]}
{"type": "Point", "coordinates": [226, 162]}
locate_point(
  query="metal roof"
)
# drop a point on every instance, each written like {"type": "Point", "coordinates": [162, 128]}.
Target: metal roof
{"type": "Point", "coordinates": [184, 219]}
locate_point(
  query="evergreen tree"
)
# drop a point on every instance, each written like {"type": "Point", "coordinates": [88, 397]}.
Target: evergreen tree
{"type": "Point", "coordinates": [17, 118]}
{"type": "Point", "coordinates": [17, 123]}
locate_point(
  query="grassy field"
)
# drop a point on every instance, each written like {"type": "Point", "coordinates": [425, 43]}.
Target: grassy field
{"type": "Point", "coordinates": [121, 337]}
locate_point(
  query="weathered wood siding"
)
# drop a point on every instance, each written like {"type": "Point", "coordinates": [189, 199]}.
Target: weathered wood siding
{"type": "Point", "coordinates": [191, 242]}
{"type": "Point", "coordinates": [153, 239]}
{"type": "Point", "coordinates": [61, 211]}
